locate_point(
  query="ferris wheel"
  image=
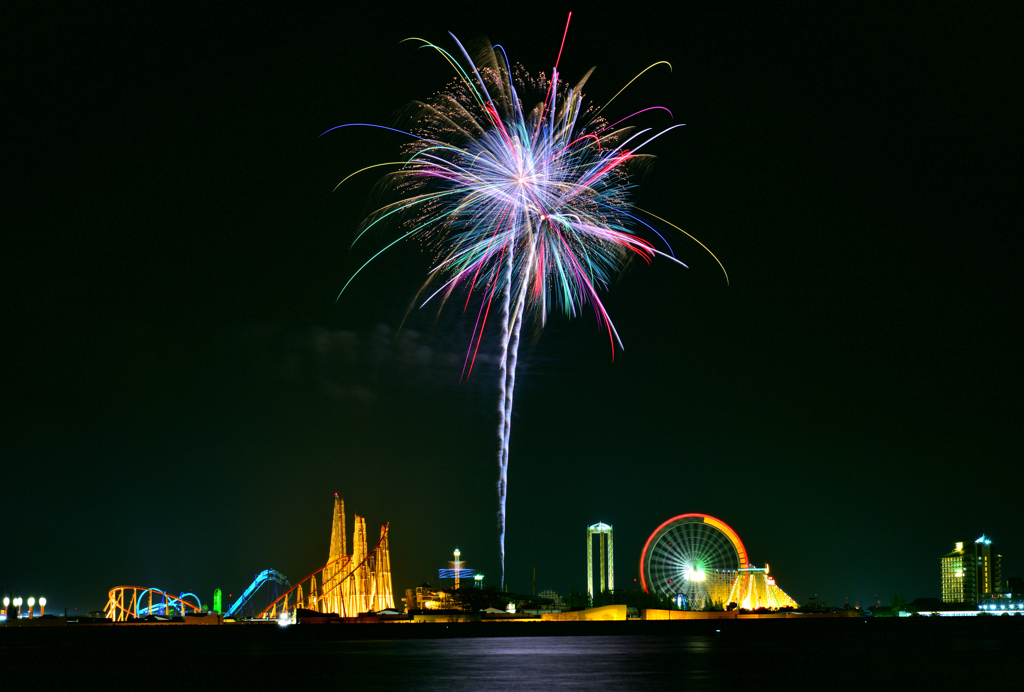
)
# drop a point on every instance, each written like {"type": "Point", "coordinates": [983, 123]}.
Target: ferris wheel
{"type": "Point", "coordinates": [694, 559]}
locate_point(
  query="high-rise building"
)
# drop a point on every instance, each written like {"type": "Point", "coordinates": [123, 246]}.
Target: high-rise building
{"type": "Point", "coordinates": [972, 572]}
{"type": "Point", "coordinates": [953, 575]}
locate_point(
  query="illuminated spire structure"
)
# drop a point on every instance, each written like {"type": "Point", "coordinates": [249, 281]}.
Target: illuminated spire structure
{"type": "Point", "coordinates": [356, 596]}
{"type": "Point", "coordinates": [604, 532]}
{"type": "Point", "coordinates": [382, 573]}
{"type": "Point", "coordinates": [347, 585]}
{"type": "Point", "coordinates": [336, 566]}
{"type": "Point", "coordinates": [338, 530]}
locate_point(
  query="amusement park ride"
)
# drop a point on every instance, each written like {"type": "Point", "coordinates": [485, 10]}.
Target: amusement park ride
{"type": "Point", "coordinates": [699, 560]}
{"type": "Point", "coordinates": [695, 559]}
{"type": "Point", "coordinates": [346, 585]}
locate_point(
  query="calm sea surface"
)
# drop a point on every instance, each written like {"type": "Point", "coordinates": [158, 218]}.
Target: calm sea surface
{"type": "Point", "coordinates": [801, 655]}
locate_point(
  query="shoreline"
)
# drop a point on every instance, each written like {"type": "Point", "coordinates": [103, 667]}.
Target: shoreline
{"type": "Point", "coordinates": [75, 634]}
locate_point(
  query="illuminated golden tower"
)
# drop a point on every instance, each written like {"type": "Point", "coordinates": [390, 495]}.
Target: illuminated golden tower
{"type": "Point", "coordinates": [382, 572]}
{"type": "Point", "coordinates": [356, 591]}
{"type": "Point", "coordinates": [347, 585]}
{"type": "Point", "coordinates": [338, 530]}
{"type": "Point", "coordinates": [332, 572]}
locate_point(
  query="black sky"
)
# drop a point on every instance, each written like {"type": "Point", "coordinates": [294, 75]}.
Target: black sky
{"type": "Point", "coordinates": [183, 395]}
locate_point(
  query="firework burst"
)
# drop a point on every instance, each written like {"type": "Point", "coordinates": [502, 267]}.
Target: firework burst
{"type": "Point", "coordinates": [522, 188]}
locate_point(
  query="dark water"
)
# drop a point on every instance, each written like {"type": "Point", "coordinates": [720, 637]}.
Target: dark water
{"type": "Point", "coordinates": [795, 655]}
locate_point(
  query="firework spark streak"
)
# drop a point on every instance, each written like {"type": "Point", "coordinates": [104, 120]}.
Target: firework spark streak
{"type": "Point", "coordinates": [523, 189]}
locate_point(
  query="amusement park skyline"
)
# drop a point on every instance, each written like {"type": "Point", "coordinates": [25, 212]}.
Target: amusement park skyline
{"type": "Point", "coordinates": [184, 394]}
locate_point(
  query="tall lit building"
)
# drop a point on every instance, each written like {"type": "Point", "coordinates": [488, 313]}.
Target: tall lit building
{"type": "Point", "coordinates": [604, 534]}
{"type": "Point", "coordinates": [953, 575]}
{"type": "Point", "coordinates": [972, 572]}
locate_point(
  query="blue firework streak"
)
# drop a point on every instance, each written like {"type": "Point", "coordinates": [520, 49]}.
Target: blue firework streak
{"type": "Point", "coordinates": [523, 190]}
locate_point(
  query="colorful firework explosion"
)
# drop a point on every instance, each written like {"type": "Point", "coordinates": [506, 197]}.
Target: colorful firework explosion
{"type": "Point", "coordinates": [523, 190]}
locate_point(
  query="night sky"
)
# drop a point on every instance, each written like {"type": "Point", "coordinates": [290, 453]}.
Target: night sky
{"type": "Point", "coordinates": [182, 395]}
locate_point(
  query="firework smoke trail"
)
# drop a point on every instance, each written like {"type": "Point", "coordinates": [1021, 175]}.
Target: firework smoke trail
{"type": "Point", "coordinates": [510, 356]}
{"type": "Point", "coordinates": [523, 190]}
{"type": "Point", "coordinates": [504, 414]}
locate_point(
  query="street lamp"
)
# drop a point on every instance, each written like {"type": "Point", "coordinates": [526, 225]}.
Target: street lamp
{"type": "Point", "coordinates": [42, 606]}
{"type": "Point", "coordinates": [17, 605]}
{"type": "Point", "coordinates": [31, 602]}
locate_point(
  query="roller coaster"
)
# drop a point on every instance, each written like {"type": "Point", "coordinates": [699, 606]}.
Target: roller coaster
{"type": "Point", "coordinates": [120, 610]}
{"type": "Point", "coordinates": [267, 576]}
{"type": "Point", "coordinates": [346, 585]}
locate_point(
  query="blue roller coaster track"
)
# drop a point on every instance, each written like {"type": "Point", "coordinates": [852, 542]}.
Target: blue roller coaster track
{"type": "Point", "coordinates": [162, 608]}
{"type": "Point", "coordinates": [272, 576]}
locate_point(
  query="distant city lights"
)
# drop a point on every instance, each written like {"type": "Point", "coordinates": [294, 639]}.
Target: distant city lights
{"type": "Point", "coordinates": [1001, 606]}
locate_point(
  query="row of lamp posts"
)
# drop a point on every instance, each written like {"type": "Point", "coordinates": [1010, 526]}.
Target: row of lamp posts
{"type": "Point", "coordinates": [16, 602]}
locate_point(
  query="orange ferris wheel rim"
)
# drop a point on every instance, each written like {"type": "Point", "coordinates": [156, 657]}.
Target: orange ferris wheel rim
{"type": "Point", "coordinates": [733, 537]}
